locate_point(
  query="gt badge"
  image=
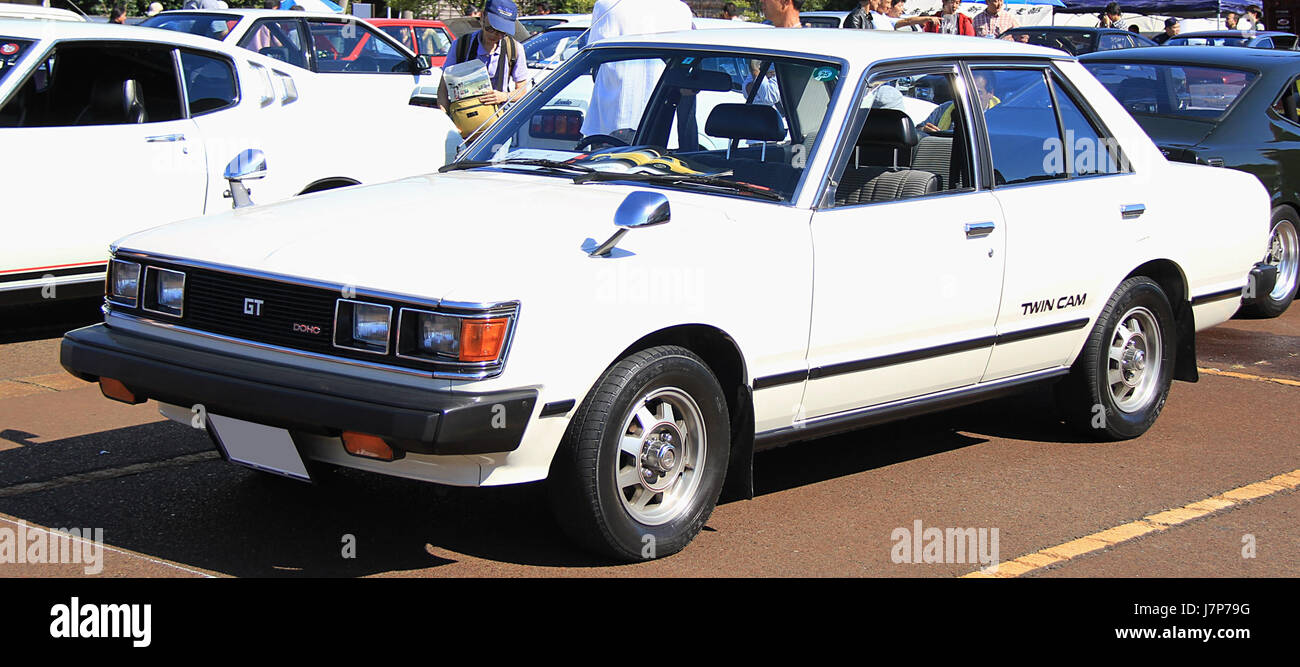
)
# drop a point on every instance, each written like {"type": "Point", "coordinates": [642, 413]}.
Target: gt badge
{"type": "Point", "coordinates": [253, 307]}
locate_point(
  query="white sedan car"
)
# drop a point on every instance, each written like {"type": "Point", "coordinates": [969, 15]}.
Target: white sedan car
{"type": "Point", "coordinates": [632, 323]}
{"type": "Point", "coordinates": [113, 129]}
{"type": "Point", "coordinates": [358, 55]}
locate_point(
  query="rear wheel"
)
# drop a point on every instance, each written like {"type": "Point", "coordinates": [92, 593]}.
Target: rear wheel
{"type": "Point", "coordinates": [642, 463]}
{"type": "Point", "coordinates": [1283, 253]}
{"type": "Point", "coordinates": [1120, 382]}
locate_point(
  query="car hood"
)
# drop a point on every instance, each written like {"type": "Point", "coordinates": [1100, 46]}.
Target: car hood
{"type": "Point", "coordinates": [1166, 131]}
{"type": "Point", "coordinates": [424, 235]}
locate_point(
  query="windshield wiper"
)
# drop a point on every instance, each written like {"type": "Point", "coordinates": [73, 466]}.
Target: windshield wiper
{"type": "Point", "coordinates": [665, 179]}
{"type": "Point", "coordinates": [553, 165]}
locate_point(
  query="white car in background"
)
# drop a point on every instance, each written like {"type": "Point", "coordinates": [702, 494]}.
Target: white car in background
{"type": "Point", "coordinates": [362, 57]}
{"type": "Point", "coordinates": [633, 335]}
{"type": "Point", "coordinates": [13, 10]}
{"type": "Point", "coordinates": [110, 129]}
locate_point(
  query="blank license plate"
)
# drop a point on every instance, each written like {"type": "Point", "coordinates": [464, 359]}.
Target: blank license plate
{"type": "Point", "coordinates": [258, 446]}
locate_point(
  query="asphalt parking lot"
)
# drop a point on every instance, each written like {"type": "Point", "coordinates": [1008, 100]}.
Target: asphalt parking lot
{"type": "Point", "coordinates": [1208, 492]}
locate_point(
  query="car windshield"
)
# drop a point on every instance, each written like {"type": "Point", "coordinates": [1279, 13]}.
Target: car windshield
{"type": "Point", "coordinates": [11, 51]}
{"type": "Point", "coordinates": [730, 123]}
{"type": "Point", "coordinates": [547, 49]}
{"type": "Point", "coordinates": [213, 26]}
{"type": "Point", "coordinates": [1173, 90]}
{"type": "Point", "coordinates": [1208, 41]}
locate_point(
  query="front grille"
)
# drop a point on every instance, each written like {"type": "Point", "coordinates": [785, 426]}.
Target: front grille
{"type": "Point", "coordinates": [215, 302]}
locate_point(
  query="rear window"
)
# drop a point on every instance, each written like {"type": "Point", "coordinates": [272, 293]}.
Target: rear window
{"type": "Point", "coordinates": [1173, 90]}
{"type": "Point", "coordinates": [11, 51]}
{"type": "Point", "coordinates": [1074, 43]}
{"type": "Point", "coordinates": [212, 26]}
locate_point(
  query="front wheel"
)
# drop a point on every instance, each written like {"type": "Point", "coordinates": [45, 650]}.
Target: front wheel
{"type": "Point", "coordinates": [1283, 253]}
{"type": "Point", "coordinates": [1120, 382]}
{"type": "Point", "coordinates": [643, 461]}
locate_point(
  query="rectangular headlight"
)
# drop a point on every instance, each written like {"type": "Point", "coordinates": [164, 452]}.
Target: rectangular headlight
{"type": "Point", "coordinates": [362, 326]}
{"type": "Point", "coordinates": [434, 336]}
{"type": "Point", "coordinates": [164, 291]}
{"type": "Point", "coordinates": [124, 282]}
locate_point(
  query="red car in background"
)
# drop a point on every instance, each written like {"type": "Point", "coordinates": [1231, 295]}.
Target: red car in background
{"type": "Point", "coordinates": [424, 37]}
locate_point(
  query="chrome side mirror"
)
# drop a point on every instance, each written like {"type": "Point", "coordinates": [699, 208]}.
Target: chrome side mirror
{"type": "Point", "coordinates": [249, 165]}
{"type": "Point", "coordinates": [639, 209]}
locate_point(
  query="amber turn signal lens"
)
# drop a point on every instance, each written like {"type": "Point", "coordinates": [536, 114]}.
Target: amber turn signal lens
{"type": "Point", "coordinates": [117, 391]}
{"type": "Point", "coordinates": [481, 340]}
{"type": "Point", "coordinates": [369, 446]}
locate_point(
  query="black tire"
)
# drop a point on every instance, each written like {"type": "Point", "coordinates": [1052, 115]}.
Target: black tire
{"type": "Point", "coordinates": [1087, 398]}
{"type": "Point", "coordinates": [590, 501]}
{"type": "Point", "coordinates": [1282, 240]}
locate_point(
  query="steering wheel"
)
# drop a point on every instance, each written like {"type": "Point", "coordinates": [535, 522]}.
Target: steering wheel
{"type": "Point", "coordinates": [591, 140]}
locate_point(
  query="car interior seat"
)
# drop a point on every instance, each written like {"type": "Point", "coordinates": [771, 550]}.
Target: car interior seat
{"type": "Point", "coordinates": [753, 122]}
{"type": "Point", "coordinates": [875, 172]}
{"type": "Point", "coordinates": [114, 101]}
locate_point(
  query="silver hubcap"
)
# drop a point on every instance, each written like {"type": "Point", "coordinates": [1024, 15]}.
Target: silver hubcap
{"type": "Point", "coordinates": [1284, 253]}
{"type": "Point", "coordinates": [661, 449]}
{"type": "Point", "coordinates": [1133, 368]}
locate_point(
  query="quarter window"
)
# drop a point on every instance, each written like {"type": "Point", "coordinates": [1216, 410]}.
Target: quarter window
{"type": "Point", "coordinates": [209, 83]}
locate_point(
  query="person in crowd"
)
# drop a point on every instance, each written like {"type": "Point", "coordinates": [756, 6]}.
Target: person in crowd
{"type": "Point", "coordinates": [881, 19]}
{"type": "Point", "coordinates": [118, 15]}
{"type": "Point", "coordinates": [896, 8]}
{"type": "Point", "coordinates": [1111, 17]}
{"type": "Point", "coordinates": [1172, 28]}
{"type": "Point", "coordinates": [993, 21]}
{"type": "Point", "coordinates": [731, 13]}
{"type": "Point", "coordinates": [543, 9]}
{"type": "Point", "coordinates": [859, 17]}
{"type": "Point", "coordinates": [622, 89]}
{"type": "Point", "coordinates": [1253, 19]}
{"type": "Point", "coordinates": [505, 64]}
{"type": "Point", "coordinates": [782, 13]}
{"type": "Point", "coordinates": [951, 21]}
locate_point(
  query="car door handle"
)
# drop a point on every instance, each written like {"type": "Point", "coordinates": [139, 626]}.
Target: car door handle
{"type": "Point", "coordinates": [1130, 211]}
{"type": "Point", "coordinates": [978, 230]}
{"type": "Point", "coordinates": [161, 138]}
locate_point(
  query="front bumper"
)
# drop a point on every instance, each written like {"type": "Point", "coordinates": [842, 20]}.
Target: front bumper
{"type": "Point", "coordinates": [307, 400]}
{"type": "Point", "coordinates": [1261, 281]}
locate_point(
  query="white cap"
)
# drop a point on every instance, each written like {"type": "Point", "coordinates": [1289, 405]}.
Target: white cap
{"type": "Point", "coordinates": [154, 8]}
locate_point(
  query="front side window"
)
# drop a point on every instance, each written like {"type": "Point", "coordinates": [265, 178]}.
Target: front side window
{"type": "Point", "coordinates": [98, 83]}
{"type": "Point", "coordinates": [210, 83]}
{"type": "Point", "coordinates": [912, 139]}
{"type": "Point", "coordinates": [348, 46]}
{"type": "Point", "coordinates": [692, 119]}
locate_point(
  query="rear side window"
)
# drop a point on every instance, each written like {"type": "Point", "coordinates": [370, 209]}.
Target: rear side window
{"type": "Point", "coordinates": [1021, 118]}
{"type": "Point", "coordinates": [1085, 150]}
{"type": "Point", "coordinates": [210, 83]}
{"type": "Point", "coordinates": [98, 83]}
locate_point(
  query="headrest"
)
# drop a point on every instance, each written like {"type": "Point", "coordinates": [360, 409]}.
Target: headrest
{"type": "Point", "coordinates": [698, 79]}
{"type": "Point", "coordinates": [890, 127]}
{"type": "Point", "coordinates": [745, 121]}
{"type": "Point", "coordinates": [117, 100]}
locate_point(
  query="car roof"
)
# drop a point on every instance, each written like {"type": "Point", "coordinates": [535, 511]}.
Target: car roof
{"type": "Point", "coordinates": [1231, 33]}
{"type": "Point", "coordinates": [259, 13]}
{"type": "Point", "coordinates": [412, 22]}
{"type": "Point", "coordinates": [856, 46]}
{"type": "Point", "coordinates": [26, 28]}
{"type": "Point", "coordinates": [16, 10]}
{"type": "Point", "coordinates": [1200, 55]}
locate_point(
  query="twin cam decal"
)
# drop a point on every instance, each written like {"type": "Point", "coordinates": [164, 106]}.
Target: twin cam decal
{"type": "Point", "coordinates": [1053, 304]}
